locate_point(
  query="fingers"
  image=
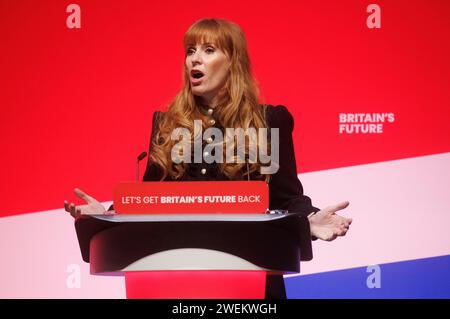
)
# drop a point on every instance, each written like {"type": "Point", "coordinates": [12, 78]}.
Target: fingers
{"type": "Point", "coordinates": [66, 206]}
{"type": "Point", "coordinates": [340, 221]}
{"type": "Point", "coordinates": [344, 227]}
{"type": "Point", "coordinates": [347, 222]}
{"type": "Point", "coordinates": [341, 231]}
{"type": "Point", "coordinates": [331, 237]}
{"type": "Point", "coordinates": [83, 195]}
{"type": "Point", "coordinates": [72, 209]}
{"type": "Point", "coordinates": [339, 227]}
{"type": "Point", "coordinates": [331, 211]}
{"type": "Point", "coordinates": [329, 234]}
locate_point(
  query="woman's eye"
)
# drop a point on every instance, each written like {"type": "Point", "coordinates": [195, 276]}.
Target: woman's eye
{"type": "Point", "coordinates": [190, 51]}
{"type": "Point", "coordinates": [210, 50]}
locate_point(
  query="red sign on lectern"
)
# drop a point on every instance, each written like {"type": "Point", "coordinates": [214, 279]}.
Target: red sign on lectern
{"type": "Point", "coordinates": [229, 197]}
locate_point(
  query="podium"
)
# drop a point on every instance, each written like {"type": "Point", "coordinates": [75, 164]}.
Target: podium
{"type": "Point", "coordinates": [194, 256]}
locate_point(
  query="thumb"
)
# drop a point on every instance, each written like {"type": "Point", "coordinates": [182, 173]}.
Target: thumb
{"type": "Point", "coordinates": [339, 206]}
{"type": "Point", "coordinates": [83, 195]}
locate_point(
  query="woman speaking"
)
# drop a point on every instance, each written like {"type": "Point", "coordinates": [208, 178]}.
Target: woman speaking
{"type": "Point", "coordinates": [220, 92]}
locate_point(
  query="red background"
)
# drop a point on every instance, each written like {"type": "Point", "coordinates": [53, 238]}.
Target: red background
{"type": "Point", "coordinates": [76, 104]}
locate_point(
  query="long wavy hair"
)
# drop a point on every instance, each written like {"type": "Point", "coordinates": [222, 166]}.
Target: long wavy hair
{"type": "Point", "coordinates": [238, 105]}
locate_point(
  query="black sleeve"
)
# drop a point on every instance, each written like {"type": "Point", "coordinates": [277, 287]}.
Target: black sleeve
{"type": "Point", "coordinates": [153, 172]}
{"type": "Point", "coordinates": [285, 189]}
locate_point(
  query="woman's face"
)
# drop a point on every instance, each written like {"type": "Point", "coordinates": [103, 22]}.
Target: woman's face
{"type": "Point", "coordinates": [208, 68]}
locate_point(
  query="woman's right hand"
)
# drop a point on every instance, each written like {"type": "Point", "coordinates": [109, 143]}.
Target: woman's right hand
{"type": "Point", "coordinates": [93, 207]}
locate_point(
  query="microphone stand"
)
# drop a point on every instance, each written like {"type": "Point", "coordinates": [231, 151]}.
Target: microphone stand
{"type": "Point", "coordinates": [139, 158]}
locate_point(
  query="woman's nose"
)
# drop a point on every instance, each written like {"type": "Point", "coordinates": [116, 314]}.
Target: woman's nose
{"type": "Point", "coordinates": [196, 58]}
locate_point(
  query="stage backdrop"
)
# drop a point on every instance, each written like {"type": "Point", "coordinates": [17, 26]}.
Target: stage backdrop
{"type": "Point", "coordinates": [366, 81]}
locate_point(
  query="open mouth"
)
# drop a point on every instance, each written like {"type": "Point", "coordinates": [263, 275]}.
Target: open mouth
{"type": "Point", "coordinates": [197, 74]}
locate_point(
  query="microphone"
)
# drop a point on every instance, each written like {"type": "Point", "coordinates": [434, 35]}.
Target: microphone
{"type": "Point", "coordinates": [139, 158]}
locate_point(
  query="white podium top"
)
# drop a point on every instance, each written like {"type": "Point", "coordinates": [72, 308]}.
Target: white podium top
{"type": "Point", "coordinates": [190, 217]}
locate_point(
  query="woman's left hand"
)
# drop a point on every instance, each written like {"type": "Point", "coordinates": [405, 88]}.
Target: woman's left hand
{"type": "Point", "coordinates": [327, 225]}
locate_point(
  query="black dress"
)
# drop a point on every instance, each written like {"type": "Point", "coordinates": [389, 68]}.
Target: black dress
{"type": "Point", "coordinates": [285, 189]}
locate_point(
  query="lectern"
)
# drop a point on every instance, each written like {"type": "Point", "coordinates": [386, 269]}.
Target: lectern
{"type": "Point", "coordinates": [194, 256]}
